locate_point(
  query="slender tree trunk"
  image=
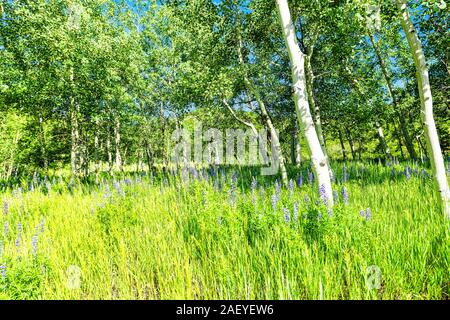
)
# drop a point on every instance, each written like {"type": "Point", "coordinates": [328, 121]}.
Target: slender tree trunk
{"type": "Point", "coordinates": [149, 157]}
{"type": "Point", "coordinates": [359, 149]}
{"type": "Point", "coordinates": [341, 140]}
{"type": "Point", "coordinates": [426, 102]}
{"type": "Point", "coordinates": [403, 127]}
{"type": "Point", "coordinates": [277, 152]}
{"type": "Point", "coordinates": [163, 136]}
{"type": "Point", "coordinates": [350, 142]}
{"type": "Point", "coordinates": [384, 145]}
{"type": "Point", "coordinates": [108, 151]}
{"type": "Point", "coordinates": [298, 157]}
{"type": "Point", "coordinates": [13, 154]}
{"type": "Point", "coordinates": [43, 143]}
{"type": "Point", "coordinates": [233, 113]}
{"type": "Point", "coordinates": [312, 101]}
{"type": "Point", "coordinates": [302, 109]}
{"type": "Point", "coordinates": [293, 143]}
{"type": "Point", "coordinates": [96, 148]}
{"type": "Point", "coordinates": [423, 150]}
{"type": "Point", "coordinates": [75, 136]}
{"type": "Point", "coordinates": [399, 138]}
{"type": "Point", "coordinates": [85, 154]}
{"type": "Point", "coordinates": [117, 141]}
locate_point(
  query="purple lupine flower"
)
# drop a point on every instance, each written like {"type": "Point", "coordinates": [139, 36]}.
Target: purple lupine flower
{"type": "Point", "coordinates": [368, 214]}
{"type": "Point", "coordinates": [5, 207]}
{"type": "Point", "coordinates": [299, 180]}
{"type": "Point", "coordinates": [423, 173]}
{"type": "Point", "coordinates": [19, 229]}
{"type": "Point", "coordinates": [335, 196]}
{"type": "Point", "coordinates": [17, 242]}
{"type": "Point", "coordinates": [204, 198]}
{"type": "Point", "coordinates": [277, 190]}
{"type": "Point", "coordinates": [127, 181]}
{"type": "Point", "coordinates": [306, 199]}
{"type": "Point", "coordinates": [407, 173]}
{"type": "Point", "coordinates": [362, 213]}
{"type": "Point", "coordinates": [107, 194]}
{"type": "Point", "coordinates": [291, 188]}
{"type": "Point", "coordinates": [232, 192]}
{"type": "Point", "coordinates": [323, 194]}
{"type": "Point", "coordinates": [345, 174]}
{"type": "Point", "coordinates": [254, 183]}
{"type": "Point", "coordinates": [3, 271]}
{"type": "Point", "coordinates": [274, 202]}
{"type": "Point", "coordinates": [344, 195]}
{"type": "Point", "coordinates": [151, 178]}
{"type": "Point", "coordinates": [253, 186]}
{"type": "Point", "coordinates": [49, 188]}
{"type": "Point", "coordinates": [310, 176]}
{"type": "Point", "coordinates": [393, 172]}
{"type": "Point", "coordinates": [34, 241]}
{"type": "Point", "coordinates": [116, 186]}
{"type": "Point", "coordinates": [295, 211]}
{"type": "Point", "coordinates": [330, 212]}
{"type": "Point", "coordinates": [287, 215]}
{"type": "Point", "coordinates": [5, 228]}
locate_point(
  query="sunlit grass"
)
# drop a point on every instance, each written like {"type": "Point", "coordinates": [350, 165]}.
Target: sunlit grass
{"type": "Point", "coordinates": [149, 237]}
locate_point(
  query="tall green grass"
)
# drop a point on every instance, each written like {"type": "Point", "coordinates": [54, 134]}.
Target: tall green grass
{"type": "Point", "coordinates": [180, 238]}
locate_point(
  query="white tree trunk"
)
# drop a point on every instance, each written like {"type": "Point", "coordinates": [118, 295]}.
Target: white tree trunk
{"type": "Point", "coordinates": [108, 151]}
{"type": "Point", "coordinates": [302, 109]}
{"type": "Point", "coordinates": [401, 118]}
{"type": "Point", "coordinates": [312, 102]}
{"type": "Point", "coordinates": [298, 157]}
{"type": "Point", "coordinates": [277, 155]}
{"type": "Point", "coordinates": [426, 102]}
{"type": "Point", "coordinates": [75, 136]}
{"type": "Point", "coordinates": [117, 142]}
{"type": "Point", "coordinates": [384, 145]}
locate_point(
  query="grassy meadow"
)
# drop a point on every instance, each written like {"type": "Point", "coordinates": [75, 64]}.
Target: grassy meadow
{"type": "Point", "coordinates": [223, 234]}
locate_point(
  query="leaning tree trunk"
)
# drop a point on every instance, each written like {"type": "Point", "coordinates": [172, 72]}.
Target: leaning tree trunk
{"type": "Point", "coordinates": [403, 127]}
{"type": "Point", "coordinates": [341, 140]}
{"type": "Point", "coordinates": [302, 109]}
{"type": "Point", "coordinates": [426, 102]}
{"type": "Point", "coordinates": [383, 143]}
{"type": "Point", "coordinates": [350, 142]}
{"type": "Point", "coordinates": [277, 152]}
{"type": "Point", "coordinates": [312, 102]}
